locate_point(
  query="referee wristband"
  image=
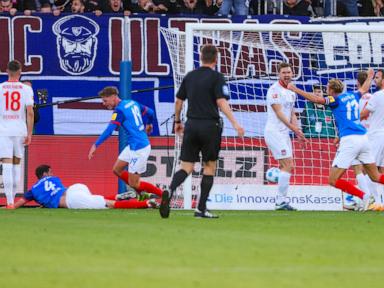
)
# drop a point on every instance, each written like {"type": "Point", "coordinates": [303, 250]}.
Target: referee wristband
{"type": "Point", "coordinates": [177, 121]}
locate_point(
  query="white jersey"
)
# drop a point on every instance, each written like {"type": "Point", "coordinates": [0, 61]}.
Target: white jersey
{"type": "Point", "coordinates": [14, 98]}
{"type": "Point", "coordinates": [277, 94]}
{"type": "Point", "coordinates": [362, 104]}
{"type": "Point", "coordinates": [376, 119]}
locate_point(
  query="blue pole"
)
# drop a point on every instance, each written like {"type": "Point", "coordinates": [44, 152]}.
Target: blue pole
{"type": "Point", "coordinates": [124, 93]}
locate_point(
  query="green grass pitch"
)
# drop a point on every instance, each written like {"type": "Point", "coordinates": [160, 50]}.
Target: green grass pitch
{"type": "Point", "coordinates": [136, 248]}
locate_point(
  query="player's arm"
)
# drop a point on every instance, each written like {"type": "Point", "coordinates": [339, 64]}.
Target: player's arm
{"type": "Point", "coordinates": [180, 98]}
{"type": "Point", "coordinates": [115, 123]}
{"type": "Point", "coordinates": [28, 196]}
{"type": "Point", "coordinates": [149, 114]}
{"type": "Point", "coordinates": [21, 202]}
{"type": "Point", "coordinates": [367, 84]}
{"type": "Point", "coordinates": [368, 108]}
{"type": "Point", "coordinates": [309, 96]}
{"type": "Point", "coordinates": [178, 107]}
{"type": "Point", "coordinates": [30, 121]}
{"type": "Point", "coordinates": [222, 103]}
{"type": "Point", "coordinates": [290, 124]}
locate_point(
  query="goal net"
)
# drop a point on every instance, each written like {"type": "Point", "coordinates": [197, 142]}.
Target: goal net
{"type": "Point", "coordinates": [249, 55]}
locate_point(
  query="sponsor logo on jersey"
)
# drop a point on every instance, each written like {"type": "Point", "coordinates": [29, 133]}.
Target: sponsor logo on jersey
{"type": "Point", "coordinates": [76, 43]}
{"type": "Point", "coordinates": [114, 116]}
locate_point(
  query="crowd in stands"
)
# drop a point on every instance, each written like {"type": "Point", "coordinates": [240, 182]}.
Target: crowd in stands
{"type": "Point", "coordinates": [314, 8]}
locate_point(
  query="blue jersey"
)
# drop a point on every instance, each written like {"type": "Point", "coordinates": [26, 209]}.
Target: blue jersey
{"type": "Point", "coordinates": [345, 109]}
{"type": "Point", "coordinates": [128, 114]}
{"type": "Point", "coordinates": [47, 192]}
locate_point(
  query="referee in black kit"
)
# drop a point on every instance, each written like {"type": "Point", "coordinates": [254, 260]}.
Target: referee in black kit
{"type": "Point", "coordinates": [206, 91]}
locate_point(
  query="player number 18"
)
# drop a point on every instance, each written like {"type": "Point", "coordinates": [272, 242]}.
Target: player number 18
{"type": "Point", "coordinates": [12, 100]}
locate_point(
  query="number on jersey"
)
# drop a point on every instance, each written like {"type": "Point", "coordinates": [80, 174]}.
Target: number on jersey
{"type": "Point", "coordinates": [352, 107]}
{"type": "Point", "coordinates": [12, 100]}
{"type": "Point", "coordinates": [137, 115]}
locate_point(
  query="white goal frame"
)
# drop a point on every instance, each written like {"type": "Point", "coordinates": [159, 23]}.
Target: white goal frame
{"type": "Point", "coordinates": [252, 27]}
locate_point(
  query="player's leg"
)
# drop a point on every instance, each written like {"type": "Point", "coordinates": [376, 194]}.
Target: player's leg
{"type": "Point", "coordinates": [6, 157]}
{"type": "Point", "coordinates": [286, 166]}
{"type": "Point", "coordinates": [137, 160]}
{"type": "Point", "coordinates": [78, 196]}
{"type": "Point", "coordinates": [210, 139]}
{"type": "Point", "coordinates": [190, 149]}
{"type": "Point", "coordinates": [119, 170]}
{"type": "Point", "coordinates": [281, 147]}
{"type": "Point", "coordinates": [132, 204]}
{"type": "Point", "coordinates": [205, 188]}
{"type": "Point", "coordinates": [16, 175]}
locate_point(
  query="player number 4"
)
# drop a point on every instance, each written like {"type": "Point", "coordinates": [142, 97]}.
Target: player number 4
{"type": "Point", "coordinates": [12, 100]}
{"type": "Point", "coordinates": [352, 105]}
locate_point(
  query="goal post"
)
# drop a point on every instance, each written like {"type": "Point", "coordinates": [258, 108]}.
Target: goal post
{"type": "Point", "coordinates": [249, 55]}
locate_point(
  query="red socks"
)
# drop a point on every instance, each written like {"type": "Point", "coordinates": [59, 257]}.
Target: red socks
{"type": "Point", "coordinates": [143, 186]}
{"type": "Point", "coordinates": [131, 204]}
{"type": "Point", "coordinates": [124, 176]}
{"type": "Point", "coordinates": [345, 186]}
{"type": "Point", "coordinates": [150, 188]}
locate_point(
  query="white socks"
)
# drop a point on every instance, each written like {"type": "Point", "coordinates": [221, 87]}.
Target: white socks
{"type": "Point", "coordinates": [283, 184]}
{"type": "Point", "coordinates": [16, 178]}
{"type": "Point", "coordinates": [362, 182]}
{"type": "Point", "coordinates": [373, 189]}
{"type": "Point", "coordinates": [8, 182]}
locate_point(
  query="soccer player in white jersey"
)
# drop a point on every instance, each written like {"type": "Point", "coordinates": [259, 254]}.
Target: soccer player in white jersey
{"type": "Point", "coordinates": [375, 111]}
{"type": "Point", "coordinates": [363, 180]}
{"type": "Point", "coordinates": [281, 119]}
{"type": "Point", "coordinates": [354, 142]}
{"type": "Point", "coordinates": [16, 126]}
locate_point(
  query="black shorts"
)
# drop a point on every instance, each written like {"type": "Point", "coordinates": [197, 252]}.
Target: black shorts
{"type": "Point", "coordinates": [201, 136]}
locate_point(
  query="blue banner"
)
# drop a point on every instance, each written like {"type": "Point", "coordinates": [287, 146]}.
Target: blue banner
{"type": "Point", "coordinates": [77, 55]}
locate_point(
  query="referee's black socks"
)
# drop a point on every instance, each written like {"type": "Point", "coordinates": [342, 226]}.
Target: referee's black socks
{"type": "Point", "coordinates": [177, 179]}
{"type": "Point", "coordinates": [205, 188]}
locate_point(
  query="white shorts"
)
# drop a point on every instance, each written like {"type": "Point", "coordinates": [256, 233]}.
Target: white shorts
{"type": "Point", "coordinates": [280, 144]}
{"type": "Point", "coordinates": [353, 147]}
{"type": "Point", "coordinates": [11, 146]}
{"type": "Point", "coordinates": [78, 196]}
{"type": "Point", "coordinates": [137, 160]}
{"type": "Point", "coordinates": [377, 147]}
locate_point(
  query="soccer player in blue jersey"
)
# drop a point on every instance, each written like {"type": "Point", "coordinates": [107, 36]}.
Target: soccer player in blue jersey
{"type": "Point", "coordinates": [353, 139]}
{"type": "Point", "coordinates": [50, 192]}
{"type": "Point", "coordinates": [128, 115]}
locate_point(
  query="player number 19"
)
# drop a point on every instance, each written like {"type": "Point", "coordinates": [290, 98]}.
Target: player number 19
{"type": "Point", "coordinates": [352, 105]}
{"type": "Point", "coordinates": [12, 100]}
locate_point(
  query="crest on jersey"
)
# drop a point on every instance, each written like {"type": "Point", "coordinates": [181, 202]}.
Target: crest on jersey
{"type": "Point", "coordinates": [76, 43]}
{"type": "Point", "coordinates": [225, 90]}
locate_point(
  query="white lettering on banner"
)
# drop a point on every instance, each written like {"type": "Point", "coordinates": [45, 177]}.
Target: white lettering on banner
{"type": "Point", "coordinates": [262, 197]}
{"type": "Point", "coordinates": [353, 48]}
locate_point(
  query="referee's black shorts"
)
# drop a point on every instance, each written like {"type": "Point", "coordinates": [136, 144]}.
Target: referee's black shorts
{"type": "Point", "coordinates": [201, 135]}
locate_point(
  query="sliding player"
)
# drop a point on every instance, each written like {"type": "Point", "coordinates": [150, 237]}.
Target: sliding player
{"type": "Point", "coordinates": [353, 139]}
{"type": "Point", "coordinates": [128, 114]}
{"type": "Point", "coordinates": [49, 192]}
{"type": "Point", "coordinates": [16, 126]}
{"type": "Point", "coordinates": [282, 119]}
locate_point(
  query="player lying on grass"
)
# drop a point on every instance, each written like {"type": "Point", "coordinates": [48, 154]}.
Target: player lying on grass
{"type": "Point", "coordinates": [49, 192]}
{"type": "Point", "coordinates": [354, 142]}
{"type": "Point", "coordinates": [128, 114]}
